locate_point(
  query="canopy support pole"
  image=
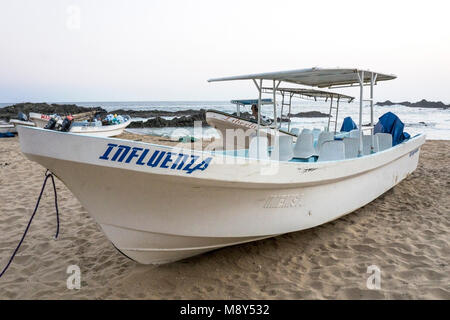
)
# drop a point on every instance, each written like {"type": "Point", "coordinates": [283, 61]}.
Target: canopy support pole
{"type": "Point", "coordinates": [361, 97]}
{"type": "Point", "coordinates": [256, 84]}
{"type": "Point", "coordinates": [275, 104]}
{"type": "Point", "coordinates": [259, 114]}
{"type": "Point", "coordinates": [282, 106]}
{"type": "Point", "coordinates": [337, 112]}
{"type": "Point", "coordinates": [329, 115]}
{"type": "Point", "coordinates": [289, 114]}
{"type": "Point", "coordinates": [373, 78]}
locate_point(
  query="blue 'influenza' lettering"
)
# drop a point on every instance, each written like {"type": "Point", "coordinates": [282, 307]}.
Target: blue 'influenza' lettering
{"type": "Point", "coordinates": [122, 151]}
{"type": "Point", "coordinates": [157, 158]}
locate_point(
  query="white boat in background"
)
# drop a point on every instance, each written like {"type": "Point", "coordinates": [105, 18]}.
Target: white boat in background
{"type": "Point", "coordinates": [16, 122]}
{"type": "Point", "coordinates": [11, 126]}
{"type": "Point", "coordinates": [91, 128]}
{"type": "Point", "coordinates": [224, 122]}
{"type": "Point", "coordinates": [159, 204]}
{"type": "Point", "coordinates": [229, 123]}
{"type": "Point", "coordinates": [110, 130]}
{"type": "Point", "coordinates": [39, 119]}
{"type": "Point", "coordinates": [6, 127]}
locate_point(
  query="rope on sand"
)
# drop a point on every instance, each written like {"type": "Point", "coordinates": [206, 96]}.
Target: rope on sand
{"type": "Point", "coordinates": [48, 174]}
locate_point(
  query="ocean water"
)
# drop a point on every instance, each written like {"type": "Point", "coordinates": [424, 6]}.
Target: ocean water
{"type": "Point", "coordinates": [435, 123]}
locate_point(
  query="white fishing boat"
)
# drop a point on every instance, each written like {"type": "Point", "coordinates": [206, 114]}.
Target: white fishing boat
{"type": "Point", "coordinates": [39, 119]}
{"type": "Point", "coordinates": [99, 130]}
{"type": "Point", "coordinates": [159, 204]}
{"type": "Point", "coordinates": [95, 128]}
{"type": "Point", "coordinates": [6, 127]}
{"type": "Point", "coordinates": [16, 122]}
{"type": "Point", "coordinates": [11, 126]}
{"type": "Point", "coordinates": [229, 123]}
{"type": "Point", "coordinates": [225, 122]}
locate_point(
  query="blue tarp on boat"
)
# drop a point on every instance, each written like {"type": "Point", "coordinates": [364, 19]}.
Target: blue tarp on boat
{"type": "Point", "coordinates": [348, 125]}
{"type": "Point", "coordinates": [6, 134]}
{"type": "Point", "coordinates": [390, 123]}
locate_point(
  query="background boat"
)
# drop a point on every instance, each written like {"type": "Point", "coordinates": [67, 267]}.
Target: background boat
{"type": "Point", "coordinates": [91, 128]}
{"type": "Point", "coordinates": [6, 127]}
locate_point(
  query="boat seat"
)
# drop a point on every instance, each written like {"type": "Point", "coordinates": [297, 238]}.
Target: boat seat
{"type": "Point", "coordinates": [351, 147]}
{"type": "Point", "coordinates": [306, 130]}
{"type": "Point", "coordinates": [282, 148]}
{"type": "Point", "coordinates": [384, 141]}
{"type": "Point", "coordinates": [316, 133]}
{"type": "Point", "coordinates": [354, 133]}
{"type": "Point", "coordinates": [367, 140]}
{"type": "Point", "coordinates": [323, 136]}
{"type": "Point", "coordinates": [263, 148]}
{"type": "Point", "coordinates": [304, 147]}
{"type": "Point", "coordinates": [295, 131]}
{"type": "Point", "coordinates": [332, 150]}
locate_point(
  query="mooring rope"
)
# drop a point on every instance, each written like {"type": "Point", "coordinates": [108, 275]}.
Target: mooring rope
{"type": "Point", "coordinates": [48, 174]}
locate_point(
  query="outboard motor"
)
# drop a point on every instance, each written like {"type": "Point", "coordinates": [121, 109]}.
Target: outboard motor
{"type": "Point", "coordinates": [65, 126]}
{"type": "Point", "coordinates": [22, 116]}
{"type": "Point", "coordinates": [50, 124]}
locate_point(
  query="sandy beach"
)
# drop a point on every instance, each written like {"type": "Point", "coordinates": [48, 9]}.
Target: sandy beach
{"type": "Point", "coordinates": [405, 232]}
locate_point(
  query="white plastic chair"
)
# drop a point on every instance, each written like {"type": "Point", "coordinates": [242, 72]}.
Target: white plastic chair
{"type": "Point", "coordinates": [304, 147]}
{"type": "Point", "coordinates": [316, 133]}
{"type": "Point", "coordinates": [384, 140]}
{"type": "Point", "coordinates": [295, 131]}
{"type": "Point", "coordinates": [351, 147]}
{"type": "Point", "coordinates": [354, 133]}
{"type": "Point", "coordinates": [282, 148]}
{"type": "Point", "coordinates": [367, 141]}
{"type": "Point", "coordinates": [263, 148]}
{"type": "Point", "coordinates": [324, 136]}
{"type": "Point", "coordinates": [332, 150]}
{"type": "Point", "coordinates": [305, 130]}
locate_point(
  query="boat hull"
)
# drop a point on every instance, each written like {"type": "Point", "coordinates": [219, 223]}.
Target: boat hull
{"type": "Point", "coordinates": [16, 123]}
{"type": "Point", "coordinates": [7, 128]}
{"type": "Point", "coordinates": [159, 215]}
{"type": "Point", "coordinates": [102, 131]}
{"type": "Point", "coordinates": [40, 120]}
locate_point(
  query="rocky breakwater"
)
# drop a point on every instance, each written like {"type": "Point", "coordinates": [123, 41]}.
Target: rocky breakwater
{"type": "Point", "coordinates": [178, 121]}
{"type": "Point", "coordinates": [420, 104]}
{"type": "Point", "coordinates": [10, 112]}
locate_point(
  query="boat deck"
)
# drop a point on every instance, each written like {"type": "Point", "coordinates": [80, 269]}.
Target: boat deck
{"type": "Point", "coordinates": [214, 146]}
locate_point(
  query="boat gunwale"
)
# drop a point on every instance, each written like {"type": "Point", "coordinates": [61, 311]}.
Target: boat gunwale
{"type": "Point", "coordinates": [210, 153]}
{"type": "Point", "coordinates": [305, 167]}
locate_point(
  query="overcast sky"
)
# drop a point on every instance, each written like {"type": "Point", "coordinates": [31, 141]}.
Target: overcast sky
{"type": "Point", "coordinates": [166, 50]}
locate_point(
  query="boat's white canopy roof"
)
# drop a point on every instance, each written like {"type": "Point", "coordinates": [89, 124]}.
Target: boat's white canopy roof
{"type": "Point", "coordinates": [311, 93]}
{"type": "Point", "coordinates": [315, 77]}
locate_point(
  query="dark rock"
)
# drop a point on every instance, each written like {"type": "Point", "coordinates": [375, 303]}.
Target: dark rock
{"type": "Point", "coordinates": [158, 122]}
{"type": "Point", "coordinates": [184, 118]}
{"type": "Point", "coordinates": [244, 115]}
{"type": "Point", "coordinates": [420, 104]}
{"type": "Point", "coordinates": [27, 107]}
{"type": "Point", "coordinates": [310, 114]}
{"type": "Point", "coordinates": [158, 113]}
{"type": "Point", "coordinates": [248, 116]}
